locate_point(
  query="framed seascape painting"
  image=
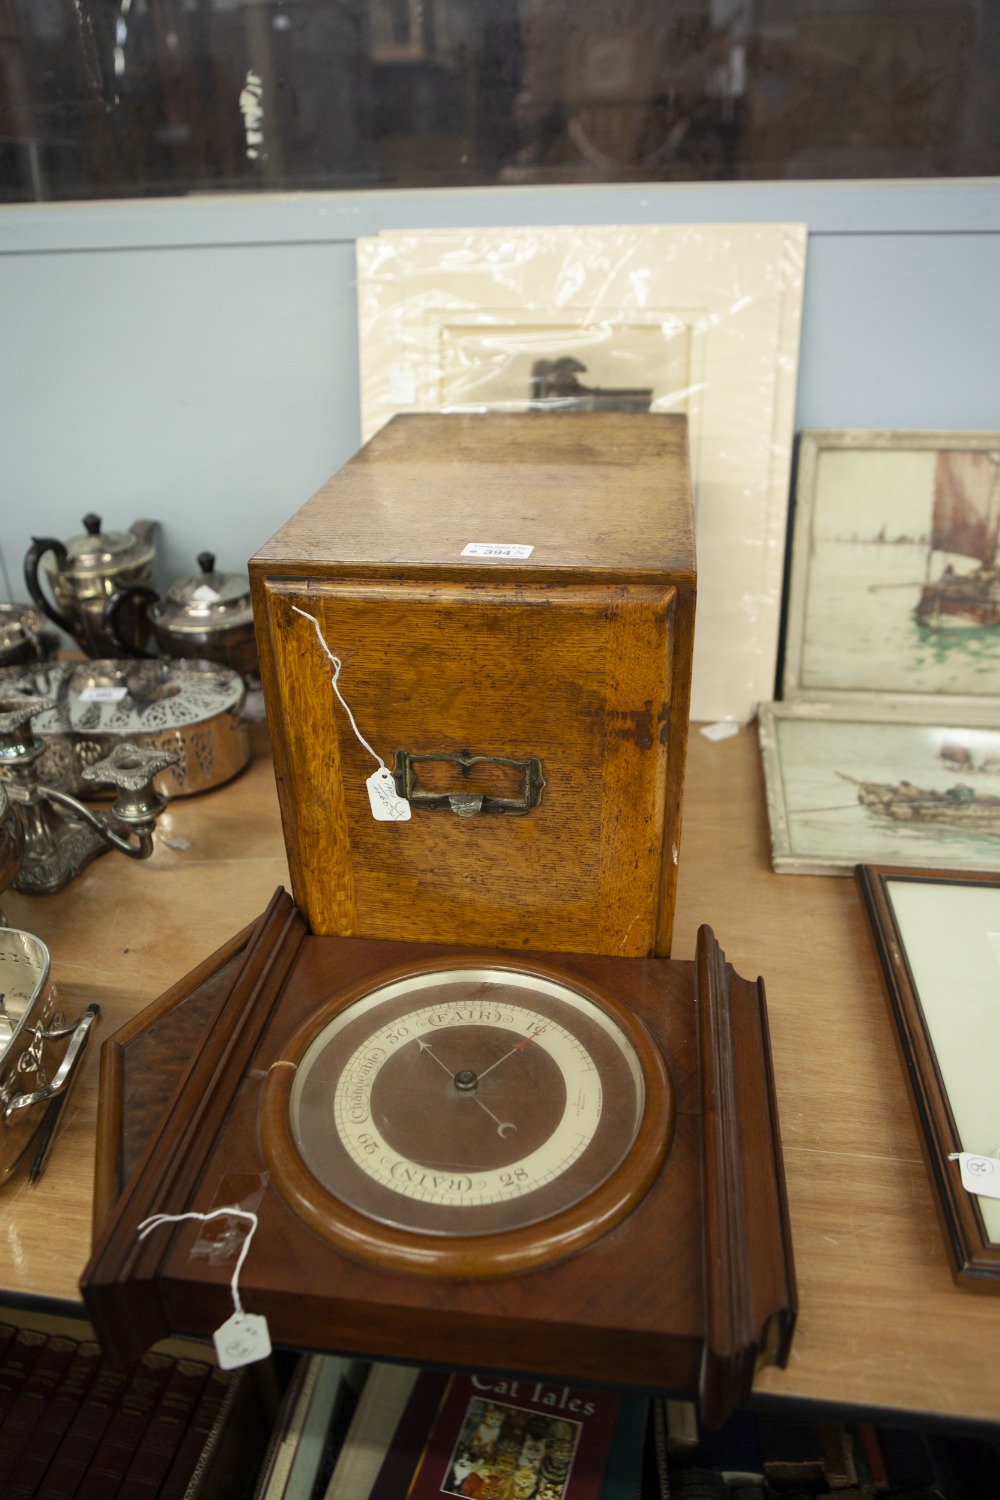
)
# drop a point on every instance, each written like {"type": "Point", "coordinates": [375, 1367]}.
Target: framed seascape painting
{"type": "Point", "coordinates": [869, 784]}
{"type": "Point", "coordinates": [894, 585]}
{"type": "Point", "coordinates": [937, 936]}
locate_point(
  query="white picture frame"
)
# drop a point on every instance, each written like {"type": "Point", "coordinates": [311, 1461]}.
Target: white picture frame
{"type": "Point", "coordinates": [729, 297]}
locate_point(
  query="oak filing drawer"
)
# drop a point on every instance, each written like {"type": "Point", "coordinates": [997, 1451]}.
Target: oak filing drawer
{"type": "Point", "coordinates": [532, 709]}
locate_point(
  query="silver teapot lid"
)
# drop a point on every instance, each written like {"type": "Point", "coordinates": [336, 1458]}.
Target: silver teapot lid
{"type": "Point", "coordinates": [98, 551]}
{"type": "Point", "coordinates": [209, 599]}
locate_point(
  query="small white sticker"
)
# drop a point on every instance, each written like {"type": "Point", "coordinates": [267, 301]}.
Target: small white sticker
{"type": "Point", "coordinates": [496, 549]}
{"type": "Point", "coordinates": [205, 595]}
{"type": "Point", "coordinates": [402, 385]}
{"type": "Point", "coordinates": [980, 1174]}
{"type": "Point", "coordinates": [103, 694]}
{"type": "Point", "coordinates": [241, 1340]}
{"type": "Point", "coordinates": [724, 729]}
{"type": "Point", "coordinates": [387, 805]}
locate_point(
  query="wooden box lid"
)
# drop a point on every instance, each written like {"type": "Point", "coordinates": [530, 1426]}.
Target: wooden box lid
{"type": "Point", "coordinates": [606, 494]}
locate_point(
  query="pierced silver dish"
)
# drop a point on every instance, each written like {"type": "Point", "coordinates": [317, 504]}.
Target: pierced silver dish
{"type": "Point", "coordinates": [40, 1052]}
{"type": "Point", "coordinates": [192, 707]}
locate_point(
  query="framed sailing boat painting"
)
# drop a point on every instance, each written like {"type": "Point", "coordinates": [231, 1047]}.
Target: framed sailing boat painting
{"type": "Point", "coordinates": [894, 586]}
{"type": "Point", "coordinates": [861, 783]}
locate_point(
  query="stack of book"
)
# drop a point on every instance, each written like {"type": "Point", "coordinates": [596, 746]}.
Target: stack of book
{"type": "Point", "coordinates": [770, 1455]}
{"type": "Point", "coordinates": [419, 1434]}
{"type": "Point", "coordinates": [73, 1427]}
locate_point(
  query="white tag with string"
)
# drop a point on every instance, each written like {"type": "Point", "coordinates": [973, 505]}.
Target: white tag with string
{"type": "Point", "coordinates": [980, 1174]}
{"type": "Point", "coordinates": [386, 804]}
{"type": "Point", "coordinates": [241, 1340]}
{"type": "Point", "coordinates": [244, 1337]}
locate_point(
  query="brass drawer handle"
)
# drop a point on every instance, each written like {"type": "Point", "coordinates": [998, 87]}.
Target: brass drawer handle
{"type": "Point", "coordinates": [467, 804]}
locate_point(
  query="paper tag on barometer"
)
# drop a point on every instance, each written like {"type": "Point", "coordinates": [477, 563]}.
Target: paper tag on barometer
{"type": "Point", "coordinates": [387, 805]}
{"type": "Point", "coordinates": [241, 1340]}
{"type": "Point", "coordinates": [980, 1174]}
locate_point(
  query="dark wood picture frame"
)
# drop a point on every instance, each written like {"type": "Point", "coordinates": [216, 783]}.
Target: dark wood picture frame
{"type": "Point", "coordinates": [973, 1255]}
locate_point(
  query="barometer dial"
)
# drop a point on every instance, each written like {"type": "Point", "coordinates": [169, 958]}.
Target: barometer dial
{"type": "Point", "coordinates": [467, 1120]}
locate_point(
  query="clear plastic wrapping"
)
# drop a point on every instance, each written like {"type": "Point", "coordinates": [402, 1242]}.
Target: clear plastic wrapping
{"type": "Point", "coordinates": [700, 319]}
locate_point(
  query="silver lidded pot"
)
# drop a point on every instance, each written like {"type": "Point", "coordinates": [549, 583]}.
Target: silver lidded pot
{"type": "Point", "coordinates": [208, 617]}
{"type": "Point", "coordinates": [84, 574]}
{"type": "Point", "coordinates": [24, 636]}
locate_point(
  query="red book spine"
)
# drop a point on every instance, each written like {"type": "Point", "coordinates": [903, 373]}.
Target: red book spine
{"type": "Point", "coordinates": [163, 1436]}
{"type": "Point", "coordinates": [876, 1462]}
{"type": "Point", "coordinates": [69, 1464]}
{"type": "Point", "coordinates": [7, 1332]}
{"type": "Point", "coordinates": [197, 1434]}
{"type": "Point", "coordinates": [47, 1371]}
{"type": "Point", "coordinates": [15, 1367]}
{"type": "Point", "coordinates": [126, 1429]}
{"type": "Point", "coordinates": [53, 1422]}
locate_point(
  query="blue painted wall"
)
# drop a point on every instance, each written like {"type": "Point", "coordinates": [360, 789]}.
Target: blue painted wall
{"type": "Point", "coordinates": [195, 360]}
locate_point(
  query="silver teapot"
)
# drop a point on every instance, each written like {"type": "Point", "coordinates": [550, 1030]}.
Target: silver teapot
{"type": "Point", "coordinates": [208, 617]}
{"type": "Point", "coordinates": [84, 574]}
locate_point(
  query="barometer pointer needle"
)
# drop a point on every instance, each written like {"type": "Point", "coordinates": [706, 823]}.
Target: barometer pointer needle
{"type": "Point", "coordinates": [502, 1125]}
{"type": "Point", "coordinates": [426, 1047]}
{"type": "Point", "coordinates": [518, 1047]}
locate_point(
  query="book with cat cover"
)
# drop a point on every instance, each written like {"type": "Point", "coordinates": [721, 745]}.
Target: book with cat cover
{"type": "Point", "coordinates": [516, 1438]}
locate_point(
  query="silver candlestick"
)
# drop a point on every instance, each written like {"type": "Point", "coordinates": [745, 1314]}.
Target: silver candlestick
{"type": "Point", "coordinates": [61, 834]}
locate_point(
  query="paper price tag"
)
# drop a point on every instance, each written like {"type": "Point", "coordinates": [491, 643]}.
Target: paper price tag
{"type": "Point", "coordinates": [387, 805]}
{"type": "Point", "coordinates": [103, 694]}
{"type": "Point", "coordinates": [497, 549]}
{"type": "Point", "coordinates": [980, 1174]}
{"type": "Point", "coordinates": [241, 1340]}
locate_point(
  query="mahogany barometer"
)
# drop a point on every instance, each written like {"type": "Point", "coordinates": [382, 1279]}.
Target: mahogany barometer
{"type": "Point", "coordinates": [561, 1164]}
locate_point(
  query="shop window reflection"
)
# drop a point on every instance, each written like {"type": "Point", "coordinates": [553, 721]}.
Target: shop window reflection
{"type": "Point", "coordinates": [110, 98]}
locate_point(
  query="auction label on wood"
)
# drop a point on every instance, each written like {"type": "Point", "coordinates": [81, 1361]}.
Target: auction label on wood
{"type": "Point", "coordinates": [497, 549]}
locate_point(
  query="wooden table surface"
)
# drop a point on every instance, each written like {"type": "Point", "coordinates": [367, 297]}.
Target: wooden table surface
{"type": "Point", "coordinates": [880, 1324]}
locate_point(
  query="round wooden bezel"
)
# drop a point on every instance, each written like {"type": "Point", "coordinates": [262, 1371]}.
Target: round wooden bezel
{"type": "Point", "coordinates": [477, 1255]}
